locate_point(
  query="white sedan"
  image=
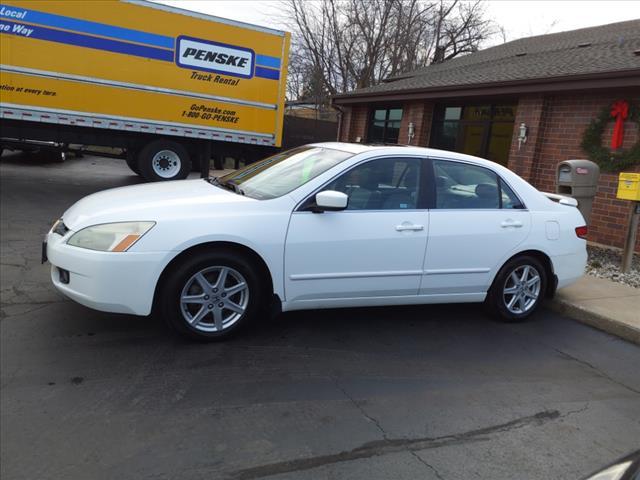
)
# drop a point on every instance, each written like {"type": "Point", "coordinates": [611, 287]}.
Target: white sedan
{"type": "Point", "coordinates": [321, 226]}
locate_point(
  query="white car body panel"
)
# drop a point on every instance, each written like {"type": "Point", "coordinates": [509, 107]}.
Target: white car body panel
{"type": "Point", "coordinates": [320, 259]}
{"type": "Point", "coordinates": [333, 259]}
{"type": "Point", "coordinates": [482, 239]}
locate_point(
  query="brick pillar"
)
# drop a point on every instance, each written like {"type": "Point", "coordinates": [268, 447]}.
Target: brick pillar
{"type": "Point", "coordinates": [420, 114]}
{"type": "Point", "coordinates": [411, 113]}
{"type": "Point", "coordinates": [531, 112]}
{"type": "Point", "coordinates": [423, 136]}
{"type": "Point", "coordinates": [357, 124]}
{"type": "Point", "coordinates": [354, 123]}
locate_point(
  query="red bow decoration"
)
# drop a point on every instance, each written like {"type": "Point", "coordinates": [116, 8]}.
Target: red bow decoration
{"type": "Point", "coordinates": [619, 111]}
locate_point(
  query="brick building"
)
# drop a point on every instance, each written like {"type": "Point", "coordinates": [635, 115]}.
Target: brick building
{"type": "Point", "coordinates": [553, 84]}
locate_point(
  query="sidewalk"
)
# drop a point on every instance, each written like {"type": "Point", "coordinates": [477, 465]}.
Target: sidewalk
{"type": "Point", "coordinates": [603, 304]}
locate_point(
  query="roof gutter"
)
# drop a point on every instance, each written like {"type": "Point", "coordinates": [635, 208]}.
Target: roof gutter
{"type": "Point", "coordinates": [340, 115]}
{"type": "Point", "coordinates": [593, 81]}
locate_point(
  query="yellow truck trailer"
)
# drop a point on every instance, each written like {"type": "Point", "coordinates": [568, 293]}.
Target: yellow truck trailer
{"type": "Point", "coordinates": [168, 86]}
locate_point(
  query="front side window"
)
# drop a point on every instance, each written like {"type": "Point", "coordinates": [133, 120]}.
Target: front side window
{"type": "Point", "coordinates": [464, 186]}
{"type": "Point", "coordinates": [384, 126]}
{"type": "Point", "coordinates": [383, 184]}
{"type": "Point", "coordinates": [282, 173]}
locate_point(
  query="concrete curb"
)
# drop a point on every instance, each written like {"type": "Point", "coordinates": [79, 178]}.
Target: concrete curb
{"type": "Point", "coordinates": [596, 320]}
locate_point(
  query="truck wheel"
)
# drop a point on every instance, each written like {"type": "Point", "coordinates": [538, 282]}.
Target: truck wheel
{"type": "Point", "coordinates": [164, 160]}
{"type": "Point", "coordinates": [132, 161]}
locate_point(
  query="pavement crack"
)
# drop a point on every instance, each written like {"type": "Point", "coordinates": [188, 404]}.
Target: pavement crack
{"type": "Point", "coordinates": [595, 369]}
{"type": "Point", "coordinates": [37, 306]}
{"type": "Point", "coordinates": [10, 264]}
{"type": "Point", "coordinates": [389, 445]}
{"type": "Point", "coordinates": [45, 302]}
{"type": "Point", "coordinates": [428, 465]}
{"type": "Point", "coordinates": [576, 411]}
{"type": "Point", "coordinates": [362, 410]}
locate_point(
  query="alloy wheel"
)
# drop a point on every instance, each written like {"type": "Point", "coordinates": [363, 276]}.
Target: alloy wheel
{"type": "Point", "coordinates": [522, 289]}
{"type": "Point", "coordinates": [214, 299]}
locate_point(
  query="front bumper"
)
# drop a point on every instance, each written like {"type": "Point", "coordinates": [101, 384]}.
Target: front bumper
{"type": "Point", "coordinates": [122, 282]}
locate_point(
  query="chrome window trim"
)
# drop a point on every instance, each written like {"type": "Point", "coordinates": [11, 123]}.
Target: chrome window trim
{"type": "Point", "coordinates": [366, 211]}
{"type": "Point", "coordinates": [479, 210]}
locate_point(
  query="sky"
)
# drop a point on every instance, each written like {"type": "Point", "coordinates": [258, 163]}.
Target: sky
{"type": "Point", "coordinates": [520, 18]}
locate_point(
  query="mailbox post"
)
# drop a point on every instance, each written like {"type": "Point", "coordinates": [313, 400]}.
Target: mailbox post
{"type": "Point", "coordinates": [578, 179]}
{"type": "Point", "coordinates": [629, 189]}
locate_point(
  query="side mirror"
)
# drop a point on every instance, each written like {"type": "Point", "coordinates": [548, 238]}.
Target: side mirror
{"type": "Point", "coordinates": [330, 200]}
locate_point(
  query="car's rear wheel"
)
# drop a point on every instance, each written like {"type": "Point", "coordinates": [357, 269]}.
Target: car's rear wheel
{"type": "Point", "coordinates": [518, 289]}
{"type": "Point", "coordinates": [212, 295]}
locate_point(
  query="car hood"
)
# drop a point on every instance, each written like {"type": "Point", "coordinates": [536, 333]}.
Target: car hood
{"type": "Point", "coordinates": [149, 202]}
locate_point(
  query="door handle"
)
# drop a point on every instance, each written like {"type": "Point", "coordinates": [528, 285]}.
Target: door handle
{"type": "Point", "coordinates": [511, 223]}
{"type": "Point", "coordinates": [405, 227]}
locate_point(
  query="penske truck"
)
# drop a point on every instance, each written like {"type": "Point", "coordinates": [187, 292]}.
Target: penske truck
{"type": "Point", "coordinates": [166, 87]}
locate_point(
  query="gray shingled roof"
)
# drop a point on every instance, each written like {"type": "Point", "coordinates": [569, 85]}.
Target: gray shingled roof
{"type": "Point", "coordinates": [602, 49]}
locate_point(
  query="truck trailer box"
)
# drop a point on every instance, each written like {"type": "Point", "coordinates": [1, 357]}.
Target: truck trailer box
{"type": "Point", "coordinates": [140, 67]}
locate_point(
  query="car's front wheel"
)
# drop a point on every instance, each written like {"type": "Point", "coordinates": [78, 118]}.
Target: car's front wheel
{"type": "Point", "coordinates": [211, 295]}
{"type": "Point", "coordinates": [518, 289]}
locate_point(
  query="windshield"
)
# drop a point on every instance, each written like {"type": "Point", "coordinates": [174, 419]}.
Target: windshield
{"type": "Point", "coordinates": [282, 173]}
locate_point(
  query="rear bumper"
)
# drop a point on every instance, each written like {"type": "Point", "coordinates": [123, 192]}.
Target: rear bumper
{"type": "Point", "coordinates": [569, 268]}
{"type": "Point", "coordinates": [111, 282]}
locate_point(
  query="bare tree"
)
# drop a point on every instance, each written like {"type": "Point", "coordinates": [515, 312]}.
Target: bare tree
{"type": "Point", "coordinates": [340, 45]}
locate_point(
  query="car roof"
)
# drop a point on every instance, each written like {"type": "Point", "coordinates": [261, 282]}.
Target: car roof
{"type": "Point", "coordinates": [357, 148]}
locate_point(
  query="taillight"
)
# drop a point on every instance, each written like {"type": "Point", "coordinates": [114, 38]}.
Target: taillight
{"type": "Point", "coordinates": [582, 231]}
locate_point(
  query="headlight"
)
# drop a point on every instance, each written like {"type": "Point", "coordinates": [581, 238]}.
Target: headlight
{"type": "Point", "coordinates": [110, 237]}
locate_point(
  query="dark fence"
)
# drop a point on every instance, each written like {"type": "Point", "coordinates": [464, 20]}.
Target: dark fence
{"type": "Point", "coordinates": [299, 131]}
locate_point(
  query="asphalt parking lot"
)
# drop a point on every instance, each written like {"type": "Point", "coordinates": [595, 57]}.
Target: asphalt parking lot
{"type": "Point", "coordinates": [435, 392]}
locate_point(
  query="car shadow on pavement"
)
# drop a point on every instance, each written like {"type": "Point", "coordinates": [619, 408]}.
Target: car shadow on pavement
{"type": "Point", "coordinates": [382, 324]}
{"type": "Point", "coordinates": [370, 322]}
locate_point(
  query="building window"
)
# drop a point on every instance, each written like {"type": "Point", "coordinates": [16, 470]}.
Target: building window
{"type": "Point", "coordinates": [481, 130]}
{"type": "Point", "coordinates": [384, 125]}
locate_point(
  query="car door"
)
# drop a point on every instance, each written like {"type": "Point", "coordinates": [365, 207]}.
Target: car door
{"type": "Point", "coordinates": [373, 248]}
{"type": "Point", "coordinates": [476, 221]}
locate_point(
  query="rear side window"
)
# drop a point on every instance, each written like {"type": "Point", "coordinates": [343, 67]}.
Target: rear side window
{"type": "Point", "coordinates": [509, 198]}
{"type": "Point", "coordinates": [463, 186]}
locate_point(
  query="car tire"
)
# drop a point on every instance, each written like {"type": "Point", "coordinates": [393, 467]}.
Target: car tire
{"type": "Point", "coordinates": [163, 160]}
{"type": "Point", "coordinates": [518, 290]}
{"type": "Point", "coordinates": [132, 162]}
{"type": "Point", "coordinates": [202, 312]}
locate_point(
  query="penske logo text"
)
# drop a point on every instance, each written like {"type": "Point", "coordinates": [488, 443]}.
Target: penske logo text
{"type": "Point", "coordinates": [216, 57]}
